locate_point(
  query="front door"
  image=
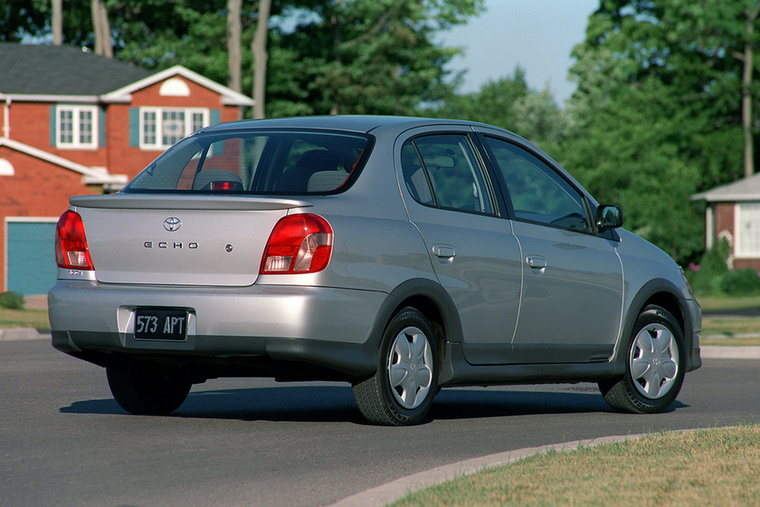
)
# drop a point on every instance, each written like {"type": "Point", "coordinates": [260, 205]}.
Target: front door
{"type": "Point", "coordinates": [572, 278]}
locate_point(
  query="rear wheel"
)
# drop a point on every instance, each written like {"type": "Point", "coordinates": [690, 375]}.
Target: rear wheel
{"type": "Point", "coordinates": [402, 389]}
{"type": "Point", "coordinates": [654, 365]}
{"type": "Point", "coordinates": [146, 388]}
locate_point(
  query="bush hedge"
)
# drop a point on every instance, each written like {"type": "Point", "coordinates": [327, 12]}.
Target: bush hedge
{"type": "Point", "coordinates": [12, 300]}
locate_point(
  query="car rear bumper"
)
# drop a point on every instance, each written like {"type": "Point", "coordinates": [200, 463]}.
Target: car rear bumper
{"type": "Point", "coordinates": [327, 327]}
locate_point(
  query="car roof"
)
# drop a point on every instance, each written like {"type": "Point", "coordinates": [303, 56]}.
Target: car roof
{"type": "Point", "coordinates": [364, 124]}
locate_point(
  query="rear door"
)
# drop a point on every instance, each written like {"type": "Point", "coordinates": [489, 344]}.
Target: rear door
{"type": "Point", "coordinates": [572, 278]}
{"type": "Point", "coordinates": [451, 200]}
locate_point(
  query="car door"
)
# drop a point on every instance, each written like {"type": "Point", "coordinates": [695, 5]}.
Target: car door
{"type": "Point", "coordinates": [572, 278]}
{"type": "Point", "coordinates": [450, 199]}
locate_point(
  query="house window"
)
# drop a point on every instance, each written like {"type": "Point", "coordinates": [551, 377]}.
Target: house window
{"type": "Point", "coordinates": [77, 126]}
{"type": "Point", "coordinates": [747, 229]}
{"type": "Point", "coordinates": [162, 127]}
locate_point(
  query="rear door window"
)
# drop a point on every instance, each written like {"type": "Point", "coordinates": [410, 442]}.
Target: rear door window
{"type": "Point", "coordinates": [444, 171]}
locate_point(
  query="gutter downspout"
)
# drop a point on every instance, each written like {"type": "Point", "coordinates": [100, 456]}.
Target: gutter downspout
{"type": "Point", "coordinates": [6, 116]}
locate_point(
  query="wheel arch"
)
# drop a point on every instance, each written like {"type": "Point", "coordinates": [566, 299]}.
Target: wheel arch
{"type": "Point", "coordinates": [430, 299]}
{"type": "Point", "coordinates": [665, 294]}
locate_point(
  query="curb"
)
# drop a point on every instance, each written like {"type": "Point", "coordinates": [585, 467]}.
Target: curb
{"type": "Point", "coordinates": [392, 491]}
{"type": "Point", "coordinates": [23, 333]}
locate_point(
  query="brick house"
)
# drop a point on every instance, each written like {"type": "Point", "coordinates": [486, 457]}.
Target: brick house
{"type": "Point", "coordinates": [76, 123]}
{"type": "Point", "coordinates": [733, 213]}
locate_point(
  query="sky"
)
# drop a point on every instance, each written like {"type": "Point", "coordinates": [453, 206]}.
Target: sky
{"type": "Point", "coordinates": [537, 35]}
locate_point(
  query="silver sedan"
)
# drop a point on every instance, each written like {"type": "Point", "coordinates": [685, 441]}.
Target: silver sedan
{"type": "Point", "coordinates": [401, 255]}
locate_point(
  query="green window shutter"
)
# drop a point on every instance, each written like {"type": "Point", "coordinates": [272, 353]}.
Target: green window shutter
{"type": "Point", "coordinates": [102, 127]}
{"type": "Point", "coordinates": [134, 127]}
{"type": "Point", "coordinates": [216, 116]}
{"type": "Point", "coordinates": [53, 124]}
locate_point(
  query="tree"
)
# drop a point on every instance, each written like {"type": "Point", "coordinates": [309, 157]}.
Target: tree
{"type": "Point", "coordinates": [260, 58]}
{"type": "Point", "coordinates": [101, 28]}
{"type": "Point", "coordinates": [510, 104]}
{"type": "Point", "coordinates": [234, 48]}
{"type": "Point", "coordinates": [57, 22]}
{"type": "Point", "coordinates": [371, 56]}
{"type": "Point", "coordinates": [347, 56]}
{"type": "Point", "coordinates": [22, 18]}
{"type": "Point", "coordinates": [658, 111]}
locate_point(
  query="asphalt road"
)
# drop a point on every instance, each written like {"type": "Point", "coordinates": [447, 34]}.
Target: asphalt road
{"type": "Point", "coordinates": [64, 441]}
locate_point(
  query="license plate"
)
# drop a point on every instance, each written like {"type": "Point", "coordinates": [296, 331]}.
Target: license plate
{"type": "Point", "coordinates": [160, 324]}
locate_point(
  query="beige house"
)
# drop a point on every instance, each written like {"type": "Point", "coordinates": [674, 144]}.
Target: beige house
{"type": "Point", "coordinates": [733, 213]}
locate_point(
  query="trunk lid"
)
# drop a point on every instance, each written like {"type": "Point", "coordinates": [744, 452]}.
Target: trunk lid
{"type": "Point", "coordinates": [161, 239]}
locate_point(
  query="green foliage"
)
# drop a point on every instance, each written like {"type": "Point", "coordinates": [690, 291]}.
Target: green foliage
{"type": "Point", "coordinates": [11, 300]}
{"type": "Point", "coordinates": [369, 56]}
{"type": "Point", "coordinates": [509, 103]}
{"type": "Point", "coordinates": [740, 281]}
{"type": "Point", "coordinates": [355, 57]}
{"type": "Point", "coordinates": [656, 117]}
{"type": "Point", "coordinates": [712, 275]}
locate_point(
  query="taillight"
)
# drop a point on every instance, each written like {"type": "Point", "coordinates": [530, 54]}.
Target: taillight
{"type": "Point", "coordinates": [71, 250]}
{"type": "Point", "coordinates": [298, 244]}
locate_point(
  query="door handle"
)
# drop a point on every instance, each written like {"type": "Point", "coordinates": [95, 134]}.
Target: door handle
{"type": "Point", "coordinates": [536, 263]}
{"type": "Point", "coordinates": [444, 252]}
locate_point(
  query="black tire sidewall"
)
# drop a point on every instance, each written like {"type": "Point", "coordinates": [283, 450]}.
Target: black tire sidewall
{"type": "Point", "coordinates": [403, 319]}
{"type": "Point", "coordinates": [655, 315]}
{"type": "Point", "coordinates": [143, 388]}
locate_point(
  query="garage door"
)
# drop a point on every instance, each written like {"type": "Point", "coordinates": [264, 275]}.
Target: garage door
{"type": "Point", "coordinates": [30, 255]}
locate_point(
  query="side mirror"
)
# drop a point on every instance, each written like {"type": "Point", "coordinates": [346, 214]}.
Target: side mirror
{"type": "Point", "coordinates": [608, 216]}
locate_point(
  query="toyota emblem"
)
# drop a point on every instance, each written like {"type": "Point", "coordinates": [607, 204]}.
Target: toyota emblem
{"type": "Point", "coordinates": [172, 224]}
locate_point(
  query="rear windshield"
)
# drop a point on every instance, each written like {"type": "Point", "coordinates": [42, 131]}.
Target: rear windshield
{"type": "Point", "coordinates": [261, 163]}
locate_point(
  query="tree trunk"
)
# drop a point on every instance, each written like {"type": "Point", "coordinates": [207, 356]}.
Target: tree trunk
{"type": "Point", "coordinates": [747, 74]}
{"type": "Point", "coordinates": [234, 28]}
{"type": "Point", "coordinates": [101, 28]}
{"type": "Point", "coordinates": [260, 60]}
{"type": "Point", "coordinates": [57, 22]}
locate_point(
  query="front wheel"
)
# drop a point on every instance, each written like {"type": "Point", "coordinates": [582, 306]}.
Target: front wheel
{"type": "Point", "coordinates": [145, 388]}
{"type": "Point", "coordinates": [402, 389]}
{"type": "Point", "coordinates": [654, 365]}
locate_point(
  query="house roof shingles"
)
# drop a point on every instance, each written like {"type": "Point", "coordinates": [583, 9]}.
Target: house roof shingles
{"type": "Point", "coordinates": [47, 70]}
{"type": "Point", "coordinates": [746, 189]}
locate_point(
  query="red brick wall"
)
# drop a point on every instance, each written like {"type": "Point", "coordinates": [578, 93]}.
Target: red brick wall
{"type": "Point", "coordinates": [41, 189]}
{"type": "Point", "coordinates": [30, 124]}
{"type": "Point", "coordinates": [724, 218]}
{"type": "Point", "coordinates": [37, 189]}
{"type": "Point", "coordinates": [747, 263]}
{"type": "Point", "coordinates": [724, 221]}
{"type": "Point", "coordinates": [125, 159]}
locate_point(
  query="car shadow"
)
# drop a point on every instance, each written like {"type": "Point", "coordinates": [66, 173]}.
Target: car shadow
{"type": "Point", "coordinates": [336, 404]}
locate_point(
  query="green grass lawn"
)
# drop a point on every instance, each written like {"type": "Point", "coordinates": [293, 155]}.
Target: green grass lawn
{"type": "Point", "coordinates": [703, 467]}
{"type": "Point", "coordinates": [24, 318]}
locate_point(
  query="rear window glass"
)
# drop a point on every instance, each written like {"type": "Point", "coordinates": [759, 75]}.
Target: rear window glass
{"type": "Point", "coordinates": [261, 163]}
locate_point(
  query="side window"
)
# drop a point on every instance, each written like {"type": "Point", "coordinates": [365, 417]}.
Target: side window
{"type": "Point", "coordinates": [537, 192]}
{"type": "Point", "coordinates": [443, 171]}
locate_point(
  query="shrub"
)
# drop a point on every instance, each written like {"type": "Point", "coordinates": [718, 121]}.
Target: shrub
{"type": "Point", "coordinates": [741, 281]}
{"type": "Point", "coordinates": [706, 277]}
{"type": "Point", "coordinates": [12, 300]}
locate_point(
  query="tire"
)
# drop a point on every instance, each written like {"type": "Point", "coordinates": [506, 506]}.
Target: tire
{"type": "Point", "coordinates": [654, 365]}
{"type": "Point", "coordinates": [144, 388]}
{"type": "Point", "coordinates": [402, 389]}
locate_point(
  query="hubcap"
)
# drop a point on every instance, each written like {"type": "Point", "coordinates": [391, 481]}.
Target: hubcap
{"type": "Point", "coordinates": [654, 361]}
{"type": "Point", "coordinates": [410, 367]}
